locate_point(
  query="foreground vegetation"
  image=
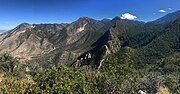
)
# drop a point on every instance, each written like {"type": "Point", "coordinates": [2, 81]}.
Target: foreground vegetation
{"type": "Point", "coordinates": [114, 77]}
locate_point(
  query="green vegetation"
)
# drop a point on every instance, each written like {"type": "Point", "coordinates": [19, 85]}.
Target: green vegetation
{"type": "Point", "coordinates": [118, 75]}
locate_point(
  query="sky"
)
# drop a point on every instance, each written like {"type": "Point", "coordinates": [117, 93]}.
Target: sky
{"type": "Point", "coordinates": [14, 12]}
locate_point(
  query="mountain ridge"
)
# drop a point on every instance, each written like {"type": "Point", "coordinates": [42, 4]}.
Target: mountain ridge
{"type": "Point", "coordinates": [171, 17]}
{"type": "Point", "coordinates": [67, 43]}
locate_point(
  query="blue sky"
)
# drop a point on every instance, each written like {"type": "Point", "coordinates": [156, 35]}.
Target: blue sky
{"type": "Point", "coordinates": [14, 12]}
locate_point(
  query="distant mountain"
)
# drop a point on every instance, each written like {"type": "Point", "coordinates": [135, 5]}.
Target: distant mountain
{"type": "Point", "coordinates": [89, 41]}
{"type": "Point", "coordinates": [168, 18]}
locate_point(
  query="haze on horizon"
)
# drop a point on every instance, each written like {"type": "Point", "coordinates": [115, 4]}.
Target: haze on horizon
{"type": "Point", "coordinates": [14, 12]}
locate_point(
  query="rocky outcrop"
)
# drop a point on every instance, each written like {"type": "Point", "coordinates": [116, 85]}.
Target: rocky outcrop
{"type": "Point", "coordinates": [103, 47]}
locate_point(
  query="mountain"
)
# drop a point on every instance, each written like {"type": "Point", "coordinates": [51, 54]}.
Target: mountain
{"type": "Point", "coordinates": [171, 17]}
{"type": "Point", "coordinates": [52, 42]}
{"type": "Point", "coordinates": [89, 41]}
{"type": "Point", "coordinates": [143, 42]}
{"type": "Point", "coordinates": [110, 42]}
{"type": "Point", "coordinates": [91, 56]}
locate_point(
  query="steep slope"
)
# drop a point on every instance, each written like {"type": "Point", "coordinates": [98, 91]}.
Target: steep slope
{"type": "Point", "coordinates": [77, 39]}
{"type": "Point", "coordinates": [166, 43]}
{"type": "Point", "coordinates": [21, 42]}
{"type": "Point", "coordinates": [144, 43]}
{"type": "Point", "coordinates": [148, 45]}
{"type": "Point", "coordinates": [57, 43]}
{"type": "Point", "coordinates": [171, 17]}
{"type": "Point", "coordinates": [111, 42]}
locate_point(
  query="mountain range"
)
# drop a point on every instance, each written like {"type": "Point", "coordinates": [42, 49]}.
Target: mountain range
{"type": "Point", "coordinates": [90, 41]}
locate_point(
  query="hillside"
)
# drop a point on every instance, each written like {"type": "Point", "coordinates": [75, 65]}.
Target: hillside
{"type": "Point", "coordinates": [63, 43]}
{"type": "Point", "coordinates": [91, 56]}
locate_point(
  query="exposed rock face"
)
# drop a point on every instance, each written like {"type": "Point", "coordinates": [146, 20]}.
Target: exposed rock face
{"type": "Point", "coordinates": [81, 28]}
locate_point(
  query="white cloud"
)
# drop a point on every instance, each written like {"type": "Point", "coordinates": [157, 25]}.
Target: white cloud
{"type": "Point", "coordinates": [169, 8]}
{"type": "Point", "coordinates": [162, 11]}
{"type": "Point", "coordinates": [128, 16]}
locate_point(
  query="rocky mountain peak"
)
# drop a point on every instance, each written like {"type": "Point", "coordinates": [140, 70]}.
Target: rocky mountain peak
{"type": "Point", "coordinates": [116, 18]}
{"type": "Point", "coordinates": [24, 26]}
{"type": "Point", "coordinates": [85, 20]}
{"type": "Point", "coordinates": [80, 25]}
